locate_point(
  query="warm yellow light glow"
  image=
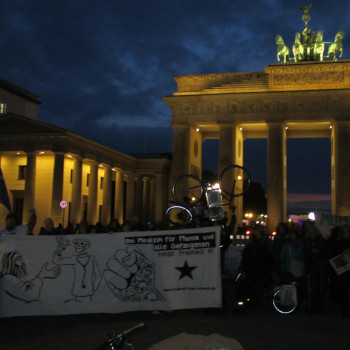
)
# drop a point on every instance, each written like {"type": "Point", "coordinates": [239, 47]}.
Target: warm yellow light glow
{"type": "Point", "coordinates": [239, 177]}
{"type": "Point", "coordinates": [216, 186]}
{"type": "Point", "coordinates": [42, 152]}
{"type": "Point", "coordinates": [69, 156]}
{"type": "Point", "coordinates": [193, 199]}
{"type": "Point", "coordinates": [100, 165]}
{"type": "Point", "coordinates": [197, 129]}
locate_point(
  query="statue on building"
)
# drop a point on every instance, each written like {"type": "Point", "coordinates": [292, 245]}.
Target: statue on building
{"type": "Point", "coordinates": [282, 49]}
{"type": "Point", "coordinates": [307, 45]}
{"type": "Point", "coordinates": [298, 49]}
{"type": "Point", "coordinates": [308, 40]}
{"type": "Point", "coordinates": [306, 16]}
{"type": "Point", "coordinates": [336, 47]}
{"type": "Point", "coordinates": [319, 46]}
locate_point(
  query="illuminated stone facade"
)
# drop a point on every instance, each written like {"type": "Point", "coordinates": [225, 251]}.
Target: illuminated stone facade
{"type": "Point", "coordinates": [44, 165]}
{"type": "Point", "coordinates": [292, 100]}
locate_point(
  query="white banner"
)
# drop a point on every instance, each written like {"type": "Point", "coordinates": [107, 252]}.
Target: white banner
{"type": "Point", "coordinates": [325, 222]}
{"type": "Point", "coordinates": [112, 273]}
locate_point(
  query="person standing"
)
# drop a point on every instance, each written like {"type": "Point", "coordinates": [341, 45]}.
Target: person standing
{"type": "Point", "coordinates": [316, 266]}
{"type": "Point", "coordinates": [11, 227]}
{"type": "Point", "coordinates": [343, 281]}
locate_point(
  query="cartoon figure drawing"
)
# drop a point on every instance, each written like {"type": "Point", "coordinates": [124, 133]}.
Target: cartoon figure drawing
{"type": "Point", "coordinates": [131, 276]}
{"type": "Point", "coordinates": [14, 277]}
{"type": "Point", "coordinates": [87, 276]}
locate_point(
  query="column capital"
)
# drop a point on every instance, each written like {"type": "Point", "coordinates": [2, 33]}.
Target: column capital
{"type": "Point", "coordinates": [90, 161]}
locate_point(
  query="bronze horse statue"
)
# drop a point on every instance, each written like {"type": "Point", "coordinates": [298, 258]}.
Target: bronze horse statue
{"type": "Point", "coordinates": [336, 47]}
{"type": "Point", "coordinates": [298, 49]}
{"type": "Point", "coordinates": [282, 49]}
{"type": "Point", "coordinates": [319, 46]}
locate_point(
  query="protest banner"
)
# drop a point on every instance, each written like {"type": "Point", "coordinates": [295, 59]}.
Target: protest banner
{"type": "Point", "coordinates": [110, 273]}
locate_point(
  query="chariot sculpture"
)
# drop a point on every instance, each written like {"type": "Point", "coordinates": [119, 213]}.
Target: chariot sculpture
{"type": "Point", "coordinates": [309, 46]}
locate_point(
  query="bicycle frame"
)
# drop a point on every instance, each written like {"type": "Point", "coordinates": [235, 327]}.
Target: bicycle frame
{"type": "Point", "coordinates": [189, 190]}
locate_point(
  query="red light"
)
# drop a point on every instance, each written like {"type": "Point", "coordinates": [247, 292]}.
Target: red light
{"type": "Point", "coordinates": [247, 232]}
{"type": "Point", "coordinates": [274, 233]}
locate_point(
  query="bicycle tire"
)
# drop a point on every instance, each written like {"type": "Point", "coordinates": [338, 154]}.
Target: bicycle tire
{"type": "Point", "coordinates": [234, 180]}
{"type": "Point", "coordinates": [187, 190]}
{"type": "Point", "coordinates": [178, 215]}
{"type": "Point", "coordinates": [279, 307]}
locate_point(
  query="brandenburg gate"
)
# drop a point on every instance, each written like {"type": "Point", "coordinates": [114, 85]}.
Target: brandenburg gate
{"type": "Point", "coordinates": [304, 97]}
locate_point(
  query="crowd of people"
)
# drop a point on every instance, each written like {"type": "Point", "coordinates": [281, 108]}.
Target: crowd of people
{"type": "Point", "coordinates": [301, 256]}
{"type": "Point", "coordinates": [295, 255]}
{"type": "Point", "coordinates": [12, 228]}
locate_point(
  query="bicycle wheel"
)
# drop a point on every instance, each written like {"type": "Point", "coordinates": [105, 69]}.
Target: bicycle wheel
{"type": "Point", "coordinates": [282, 302]}
{"type": "Point", "coordinates": [187, 190]}
{"type": "Point", "coordinates": [234, 180]}
{"type": "Point", "coordinates": [179, 216]}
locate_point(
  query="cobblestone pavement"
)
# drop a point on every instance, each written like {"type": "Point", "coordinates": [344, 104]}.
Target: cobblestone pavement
{"type": "Point", "coordinates": [258, 327]}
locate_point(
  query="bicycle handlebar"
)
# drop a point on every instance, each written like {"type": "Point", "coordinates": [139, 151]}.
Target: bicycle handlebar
{"type": "Point", "coordinates": [116, 341]}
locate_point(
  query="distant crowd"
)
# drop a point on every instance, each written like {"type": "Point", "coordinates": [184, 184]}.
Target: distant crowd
{"type": "Point", "coordinates": [301, 256]}
{"type": "Point", "coordinates": [296, 254]}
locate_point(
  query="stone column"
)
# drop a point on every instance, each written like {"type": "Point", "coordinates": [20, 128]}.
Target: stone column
{"type": "Point", "coordinates": [341, 168]}
{"type": "Point", "coordinates": [152, 198]}
{"type": "Point", "coordinates": [130, 196]}
{"type": "Point", "coordinates": [231, 152]}
{"type": "Point", "coordinates": [107, 195]}
{"type": "Point", "coordinates": [57, 189]}
{"type": "Point", "coordinates": [119, 196]}
{"type": "Point", "coordinates": [181, 151]}
{"type": "Point", "coordinates": [226, 146]}
{"type": "Point", "coordinates": [76, 209]}
{"type": "Point", "coordinates": [146, 200]}
{"type": "Point", "coordinates": [92, 199]}
{"type": "Point", "coordinates": [29, 187]}
{"type": "Point", "coordinates": [276, 176]}
{"type": "Point", "coordinates": [161, 187]}
{"type": "Point", "coordinates": [139, 197]}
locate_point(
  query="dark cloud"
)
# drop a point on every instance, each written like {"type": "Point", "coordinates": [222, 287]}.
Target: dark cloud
{"type": "Point", "coordinates": [101, 67]}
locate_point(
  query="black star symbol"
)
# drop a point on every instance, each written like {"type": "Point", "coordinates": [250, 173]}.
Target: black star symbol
{"type": "Point", "coordinates": [186, 270]}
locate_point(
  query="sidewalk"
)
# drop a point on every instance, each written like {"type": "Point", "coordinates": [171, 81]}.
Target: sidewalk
{"type": "Point", "coordinates": [257, 328]}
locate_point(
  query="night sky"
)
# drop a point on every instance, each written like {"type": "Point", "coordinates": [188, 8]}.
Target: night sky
{"type": "Point", "coordinates": [101, 67]}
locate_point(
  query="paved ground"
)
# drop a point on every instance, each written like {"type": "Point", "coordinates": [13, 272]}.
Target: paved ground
{"type": "Point", "coordinates": [256, 328]}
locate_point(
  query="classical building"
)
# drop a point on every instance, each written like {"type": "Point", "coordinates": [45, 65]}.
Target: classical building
{"type": "Point", "coordinates": [45, 167]}
{"type": "Point", "coordinates": [308, 95]}
{"type": "Point", "coordinates": [286, 100]}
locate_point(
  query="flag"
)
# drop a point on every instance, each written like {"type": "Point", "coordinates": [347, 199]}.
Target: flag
{"type": "Point", "coordinates": [4, 197]}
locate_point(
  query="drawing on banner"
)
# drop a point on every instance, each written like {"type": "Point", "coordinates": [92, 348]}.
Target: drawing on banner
{"type": "Point", "coordinates": [130, 275]}
{"type": "Point", "coordinates": [186, 270]}
{"type": "Point", "coordinates": [87, 276]}
{"type": "Point", "coordinates": [15, 280]}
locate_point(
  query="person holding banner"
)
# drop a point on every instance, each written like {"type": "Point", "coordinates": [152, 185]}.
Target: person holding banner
{"type": "Point", "coordinates": [11, 227]}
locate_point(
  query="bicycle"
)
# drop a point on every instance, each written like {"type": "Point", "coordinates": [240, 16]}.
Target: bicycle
{"type": "Point", "coordinates": [189, 190]}
{"type": "Point", "coordinates": [284, 297]}
{"type": "Point", "coordinates": [120, 340]}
